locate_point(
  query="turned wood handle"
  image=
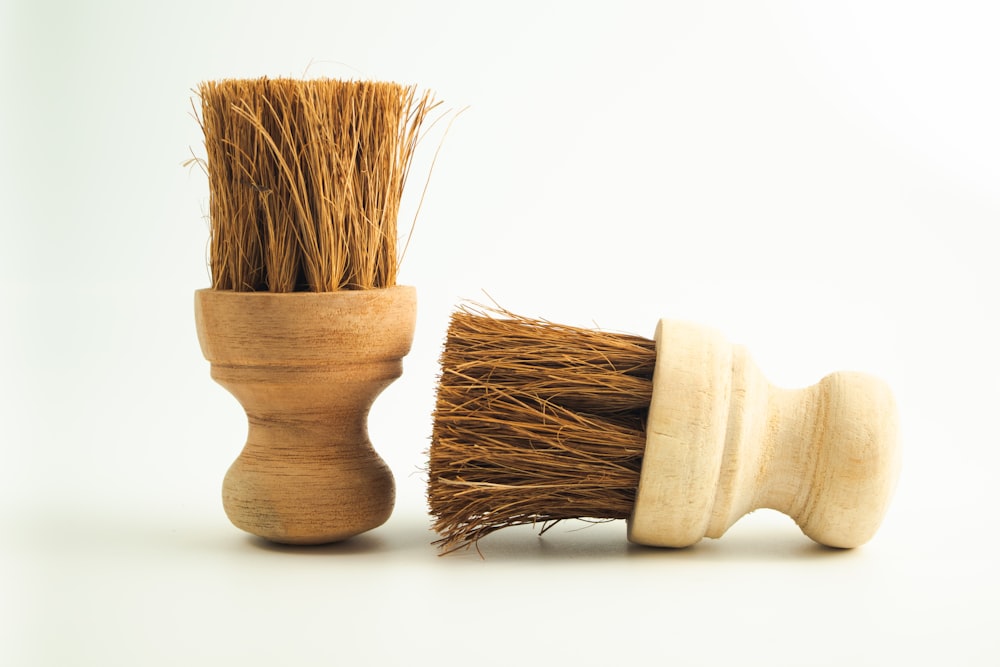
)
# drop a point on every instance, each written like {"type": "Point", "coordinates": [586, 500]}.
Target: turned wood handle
{"type": "Point", "coordinates": [722, 442]}
{"type": "Point", "coordinates": [306, 367]}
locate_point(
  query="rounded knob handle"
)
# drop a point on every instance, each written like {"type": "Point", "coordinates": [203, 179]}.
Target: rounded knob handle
{"type": "Point", "coordinates": [306, 367]}
{"type": "Point", "coordinates": [722, 442]}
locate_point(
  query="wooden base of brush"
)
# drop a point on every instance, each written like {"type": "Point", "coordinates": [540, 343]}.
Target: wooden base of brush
{"type": "Point", "coordinates": [306, 368]}
{"type": "Point", "coordinates": [722, 442]}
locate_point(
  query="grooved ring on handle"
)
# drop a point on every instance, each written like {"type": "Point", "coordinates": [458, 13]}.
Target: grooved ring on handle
{"type": "Point", "coordinates": [685, 436]}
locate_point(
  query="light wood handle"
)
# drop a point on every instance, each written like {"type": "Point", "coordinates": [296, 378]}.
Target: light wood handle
{"type": "Point", "coordinates": [306, 367]}
{"type": "Point", "coordinates": [722, 442]}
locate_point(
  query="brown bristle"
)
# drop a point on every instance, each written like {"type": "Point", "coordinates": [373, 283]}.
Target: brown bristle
{"type": "Point", "coordinates": [305, 180]}
{"type": "Point", "coordinates": [535, 423]}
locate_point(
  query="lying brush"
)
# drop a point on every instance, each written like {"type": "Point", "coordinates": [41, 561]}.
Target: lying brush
{"type": "Point", "coordinates": [537, 422]}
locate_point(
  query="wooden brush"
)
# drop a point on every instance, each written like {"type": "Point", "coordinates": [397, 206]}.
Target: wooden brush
{"type": "Point", "coordinates": [537, 422]}
{"type": "Point", "coordinates": [304, 323]}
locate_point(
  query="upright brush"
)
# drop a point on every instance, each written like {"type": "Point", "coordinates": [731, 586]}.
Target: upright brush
{"type": "Point", "coordinates": [304, 323]}
{"type": "Point", "coordinates": [681, 435]}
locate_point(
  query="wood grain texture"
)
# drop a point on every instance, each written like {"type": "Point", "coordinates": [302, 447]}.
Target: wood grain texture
{"type": "Point", "coordinates": [722, 442]}
{"type": "Point", "coordinates": [306, 367]}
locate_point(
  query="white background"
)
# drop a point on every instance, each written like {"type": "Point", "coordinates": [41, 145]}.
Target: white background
{"type": "Point", "coordinates": [819, 181]}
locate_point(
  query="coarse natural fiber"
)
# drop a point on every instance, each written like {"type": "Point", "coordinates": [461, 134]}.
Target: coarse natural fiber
{"type": "Point", "coordinates": [305, 180]}
{"type": "Point", "coordinates": [535, 422]}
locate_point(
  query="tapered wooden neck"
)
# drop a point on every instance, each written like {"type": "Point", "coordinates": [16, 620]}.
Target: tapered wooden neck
{"type": "Point", "coordinates": [722, 442]}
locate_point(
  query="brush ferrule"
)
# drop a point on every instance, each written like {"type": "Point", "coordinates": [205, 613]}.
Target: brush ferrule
{"type": "Point", "coordinates": [685, 436]}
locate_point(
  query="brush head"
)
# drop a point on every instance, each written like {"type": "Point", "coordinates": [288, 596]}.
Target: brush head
{"type": "Point", "coordinates": [535, 422]}
{"type": "Point", "coordinates": [305, 180]}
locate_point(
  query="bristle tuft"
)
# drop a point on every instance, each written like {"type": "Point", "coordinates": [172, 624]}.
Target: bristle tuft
{"type": "Point", "coordinates": [534, 423]}
{"type": "Point", "coordinates": [305, 180]}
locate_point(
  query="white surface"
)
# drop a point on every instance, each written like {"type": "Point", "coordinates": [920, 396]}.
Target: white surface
{"type": "Point", "coordinates": [825, 186]}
